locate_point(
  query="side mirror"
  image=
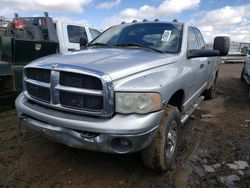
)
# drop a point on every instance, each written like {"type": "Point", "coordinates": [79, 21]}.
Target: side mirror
{"type": "Point", "coordinates": [203, 53]}
{"type": "Point", "coordinates": [83, 42]}
{"type": "Point", "coordinates": [222, 45]}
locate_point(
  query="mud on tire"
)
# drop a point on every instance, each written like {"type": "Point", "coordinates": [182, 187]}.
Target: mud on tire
{"type": "Point", "coordinates": [210, 93]}
{"type": "Point", "coordinates": [155, 156]}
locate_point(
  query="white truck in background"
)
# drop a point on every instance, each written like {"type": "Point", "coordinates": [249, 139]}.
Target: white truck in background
{"type": "Point", "coordinates": [69, 34]}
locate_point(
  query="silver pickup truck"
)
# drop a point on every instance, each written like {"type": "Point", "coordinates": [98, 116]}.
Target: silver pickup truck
{"type": "Point", "coordinates": [131, 89]}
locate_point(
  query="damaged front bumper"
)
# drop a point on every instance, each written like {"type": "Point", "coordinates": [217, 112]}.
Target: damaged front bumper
{"type": "Point", "coordinates": [119, 134]}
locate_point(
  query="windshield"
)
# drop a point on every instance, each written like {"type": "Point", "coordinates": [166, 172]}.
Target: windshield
{"type": "Point", "coordinates": [161, 37]}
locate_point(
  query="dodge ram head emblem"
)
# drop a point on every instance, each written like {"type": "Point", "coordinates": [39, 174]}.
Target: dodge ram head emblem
{"type": "Point", "coordinates": [54, 66]}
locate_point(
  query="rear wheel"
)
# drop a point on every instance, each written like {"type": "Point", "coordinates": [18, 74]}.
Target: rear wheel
{"type": "Point", "coordinates": [161, 153]}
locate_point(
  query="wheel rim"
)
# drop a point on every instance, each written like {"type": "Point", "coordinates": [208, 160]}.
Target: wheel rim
{"type": "Point", "coordinates": [171, 140]}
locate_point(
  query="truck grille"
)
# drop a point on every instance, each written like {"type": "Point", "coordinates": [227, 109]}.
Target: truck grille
{"type": "Point", "coordinates": [80, 81]}
{"type": "Point", "coordinates": [81, 93]}
{"type": "Point", "coordinates": [81, 101]}
{"type": "Point", "coordinates": [42, 75]}
{"type": "Point", "coordinates": [38, 92]}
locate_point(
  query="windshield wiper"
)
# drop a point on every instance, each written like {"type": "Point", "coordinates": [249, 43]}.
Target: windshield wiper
{"type": "Point", "coordinates": [138, 45]}
{"type": "Point", "coordinates": [99, 44]}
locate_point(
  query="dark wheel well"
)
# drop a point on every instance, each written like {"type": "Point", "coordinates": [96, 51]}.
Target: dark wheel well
{"type": "Point", "coordinates": [177, 99]}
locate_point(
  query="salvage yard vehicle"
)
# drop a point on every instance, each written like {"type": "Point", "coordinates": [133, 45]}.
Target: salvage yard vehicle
{"type": "Point", "coordinates": [28, 38]}
{"type": "Point", "coordinates": [131, 89]}
{"type": "Point", "coordinates": [245, 74]}
{"type": "Point", "coordinates": [236, 55]}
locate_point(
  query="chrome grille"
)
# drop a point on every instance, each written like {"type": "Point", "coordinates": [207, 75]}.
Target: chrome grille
{"type": "Point", "coordinates": [80, 81]}
{"type": "Point", "coordinates": [70, 91]}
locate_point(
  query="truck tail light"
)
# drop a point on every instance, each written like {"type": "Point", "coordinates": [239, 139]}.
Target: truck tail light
{"type": "Point", "coordinates": [42, 22]}
{"type": "Point", "coordinates": [18, 24]}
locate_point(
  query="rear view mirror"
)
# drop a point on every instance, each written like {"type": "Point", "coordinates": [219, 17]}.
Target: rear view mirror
{"type": "Point", "coordinates": [222, 45]}
{"type": "Point", "coordinates": [83, 42]}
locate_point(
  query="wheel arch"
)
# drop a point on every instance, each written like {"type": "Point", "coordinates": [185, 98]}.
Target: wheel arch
{"type": "Point", "coordinates": [177, 99]}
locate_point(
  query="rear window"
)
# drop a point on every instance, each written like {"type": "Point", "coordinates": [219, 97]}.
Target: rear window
{"type": "Point", "coordinates": [75, 33]}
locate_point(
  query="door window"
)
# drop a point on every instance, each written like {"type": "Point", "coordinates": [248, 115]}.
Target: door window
{"type": "Point", "coordinates": [201, 41]}
{"type": "Point", "coordinates": [192, 40]}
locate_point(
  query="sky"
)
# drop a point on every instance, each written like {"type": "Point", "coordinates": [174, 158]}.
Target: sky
{"type": "Point", "coordinates": [212, 17]}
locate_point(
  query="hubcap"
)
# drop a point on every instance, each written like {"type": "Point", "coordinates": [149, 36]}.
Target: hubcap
{"type": "Point", "coordinates": [171, 140]}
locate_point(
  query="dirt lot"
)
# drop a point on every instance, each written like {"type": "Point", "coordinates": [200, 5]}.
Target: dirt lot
{"type": "Point", "coordinates": [215, 151]}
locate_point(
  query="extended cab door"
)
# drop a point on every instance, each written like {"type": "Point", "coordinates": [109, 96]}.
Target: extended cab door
{"type": "Point", "coordinates": [199, 66]}
{"type": "Point", "coordinates": [72, 34]}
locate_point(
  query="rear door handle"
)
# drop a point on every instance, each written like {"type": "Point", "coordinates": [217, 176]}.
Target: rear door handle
{"type": "Point", "coordinates": [202, 65]}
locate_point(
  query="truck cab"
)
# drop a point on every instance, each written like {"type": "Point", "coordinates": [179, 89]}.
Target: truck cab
{"type": "Point", "coordinates": [70, 33]}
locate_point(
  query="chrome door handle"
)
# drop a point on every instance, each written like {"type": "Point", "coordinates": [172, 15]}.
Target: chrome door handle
{"type": "Point", "coordinates": [202, 65]}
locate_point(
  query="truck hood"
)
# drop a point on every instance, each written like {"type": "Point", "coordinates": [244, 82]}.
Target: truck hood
{"type": "Point", "coordinates": [118, 63]}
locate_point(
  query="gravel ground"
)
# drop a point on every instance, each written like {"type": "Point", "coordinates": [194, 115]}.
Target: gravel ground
{"type": "Point", "coordinates": [215, 151]}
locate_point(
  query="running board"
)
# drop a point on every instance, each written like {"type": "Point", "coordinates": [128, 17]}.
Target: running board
{"type": "Point", "coordinates": [190, 111]}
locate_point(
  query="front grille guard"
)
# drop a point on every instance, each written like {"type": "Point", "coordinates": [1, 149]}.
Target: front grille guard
{"type": "Point", "coordinates": [55, 88]}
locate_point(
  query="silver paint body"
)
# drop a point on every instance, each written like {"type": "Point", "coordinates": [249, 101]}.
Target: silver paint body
{"type": "Point", "coordinates": [127, 70]}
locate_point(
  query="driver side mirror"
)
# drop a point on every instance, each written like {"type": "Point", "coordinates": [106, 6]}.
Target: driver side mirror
{"type": "Point", "coordinates": [222, 45]}
{"type": "Point", "coordinates": [83, 42]}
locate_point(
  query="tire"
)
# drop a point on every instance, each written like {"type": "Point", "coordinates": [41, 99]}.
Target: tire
{"type": "Point", "coordinates": [33, 32]}
{"type": "Point", "coordinates": [210, 93]}
{"type": "Point", "coordinates": [158, 155]}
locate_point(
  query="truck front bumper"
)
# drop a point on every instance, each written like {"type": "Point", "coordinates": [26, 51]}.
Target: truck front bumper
{"type": "Point", "coordinates": [119, 134]}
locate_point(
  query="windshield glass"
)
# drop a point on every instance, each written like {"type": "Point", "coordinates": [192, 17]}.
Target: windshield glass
{"type": "Point", "coordinates": [163, 37]}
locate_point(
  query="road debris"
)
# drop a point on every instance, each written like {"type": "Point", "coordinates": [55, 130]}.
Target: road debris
{"type": "Point", "coordinates": [241, 164]}
{"type": "Point", "coordinates": [230, 180]}
{"type": "Point", "coordinates": [244, 126]}
{"type": "Point", "coordinates": [208, 168]}
{"type": "Point", "coordinates": [206, 115]}
{"type": "Point", "coordinates": [232, 166]}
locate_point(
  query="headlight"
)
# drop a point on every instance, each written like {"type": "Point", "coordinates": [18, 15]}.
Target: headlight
{"type": "Point", "coordinates": [140, 103]}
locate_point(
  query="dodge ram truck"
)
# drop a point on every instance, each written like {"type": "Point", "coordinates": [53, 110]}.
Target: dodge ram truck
{"type": "Point", "coordinates": [130, 89]}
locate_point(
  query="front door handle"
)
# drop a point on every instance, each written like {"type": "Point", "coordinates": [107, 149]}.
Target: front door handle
{"type": "Point", "coordinates": [71, 49]}
{"type": "Point", "coordinates": [202, 65]}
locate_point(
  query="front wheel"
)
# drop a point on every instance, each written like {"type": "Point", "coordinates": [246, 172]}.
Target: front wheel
{"type": "Point", "coordinates": [161, 153]}
{"type": "Point", "coordinates": [210, 93]}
